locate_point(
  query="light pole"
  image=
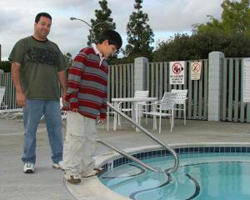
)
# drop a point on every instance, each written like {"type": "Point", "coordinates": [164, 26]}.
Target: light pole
{"type": "Point", "coordinates": [90, 30]}
{"type": "Point", "coordinates": [74, 18]}
{"type": "Point", "coordinates": [91, 27]}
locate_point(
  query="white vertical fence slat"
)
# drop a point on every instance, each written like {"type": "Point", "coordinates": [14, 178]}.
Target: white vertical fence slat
{"type": "Point", "coordinates": [242, 106]}
{"type": "Point", "coordinates": [190, 97]}
{"type": "Point", "coordinates": [205, 85]}
{"type": "Point", "coordinates": [236, 90]}
{"type": "Point", "coordinates": [200, 103]}
{"type": "Point", "coordinates": [195, 99]}
{"type": "Point", "coordinates": [224, 92]}
{"type": "Point", "coordinates": [230, 91]}
{"type": "Point", "coordinates": [161, 83]}
{"type": "Point", "coordinates": [165, 74]}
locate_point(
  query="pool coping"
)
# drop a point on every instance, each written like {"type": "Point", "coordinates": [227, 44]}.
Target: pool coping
{"type": "Point", "coordinates": [93, 189]}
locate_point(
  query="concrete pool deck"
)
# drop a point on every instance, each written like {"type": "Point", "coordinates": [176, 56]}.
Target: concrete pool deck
{"type": "Point", "coordinates": [48, 184]}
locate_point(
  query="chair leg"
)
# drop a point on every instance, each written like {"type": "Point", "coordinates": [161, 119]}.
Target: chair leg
{"type": "Point", "coordinates": [173, 114]}
{"type": "Point", "coordinates": [115, 121]}
{"type": "Point", "coordinates": [172, 122]}
{"type": "Point", "coordinates": [160, 124]}
{"type": "Point", "coordinates": [108, 119]}
{"type": "Point", "coordinates": [140, 116]}
{"type": "Point", "coordinates": [154, 123]}
{"type": "Point", "coordinates": [184, 114]}
{"type": "Point", "coordinates": [146, 116]}
{"type": "Point", "coordinates": [119, 121]}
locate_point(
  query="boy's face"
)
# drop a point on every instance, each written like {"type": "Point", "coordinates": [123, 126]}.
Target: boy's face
{"type": "Point", "coordinates": [108, 49]}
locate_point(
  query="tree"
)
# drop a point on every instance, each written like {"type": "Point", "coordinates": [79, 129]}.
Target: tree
{"type": "Point", "coordinates": [140, 35]}
{"type": "Point", "coordinates": [229, 35]}
{"type": "Point", "coordinates": [235, 18]}
{"type": "Point", "coordinates": [198, 46]}
{"type": "Point", "coordinates": [5, 66]}
{"type": "Point", "coordinates": [68, 58]}
{"type": "Point", "coordinates": [176, 48]}
{"type": "Point", "coordinates": [102, 22]}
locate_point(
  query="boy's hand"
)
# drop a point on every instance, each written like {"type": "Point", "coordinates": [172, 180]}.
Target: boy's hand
{"type": "Point", "coordinates": [102, 120]}
{"type": "Point", "coordinates": [75, 110]}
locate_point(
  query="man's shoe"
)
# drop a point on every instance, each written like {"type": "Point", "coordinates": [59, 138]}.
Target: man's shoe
{"type": "Point", "coordinates": [72, 178]}
{"type": "Point", "coordinates": [58, 165]}
{"type": "Point", "coordinates": [28, 168]}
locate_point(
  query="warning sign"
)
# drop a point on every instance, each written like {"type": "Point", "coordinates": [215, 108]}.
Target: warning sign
{"type": "Point", "coordinates": [196, 70]}
{"type": "Point", "coordinates": [177, 73]}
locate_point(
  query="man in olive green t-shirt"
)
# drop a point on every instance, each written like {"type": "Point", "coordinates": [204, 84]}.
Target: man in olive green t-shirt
{"type": "Point", "coordinates": [37, 67]}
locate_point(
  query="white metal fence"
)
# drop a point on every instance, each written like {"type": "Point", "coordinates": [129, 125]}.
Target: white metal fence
{"type": "Point", "coordinates": [121, 84]}
{"type": "Point", "coordinates": [122, 77]}
{"type": "Point", "coordinates": [233, 108]}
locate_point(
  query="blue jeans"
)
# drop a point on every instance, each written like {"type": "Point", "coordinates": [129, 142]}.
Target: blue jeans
{"type": "Point", "coordinates": [32, 114]}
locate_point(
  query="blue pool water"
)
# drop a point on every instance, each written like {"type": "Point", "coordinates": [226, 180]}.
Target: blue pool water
{"type": "Point", "coordinates": [200, 176]}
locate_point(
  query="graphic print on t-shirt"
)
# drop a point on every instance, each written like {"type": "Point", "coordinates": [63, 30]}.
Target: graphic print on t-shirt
{"type": "Point", "coordinates": [43, 56]}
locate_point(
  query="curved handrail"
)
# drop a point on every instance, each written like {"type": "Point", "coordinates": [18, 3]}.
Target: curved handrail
{"type": "Point", "coordinates": [176, 159]}
{"type": "Point", "coordinates": [129, 156]}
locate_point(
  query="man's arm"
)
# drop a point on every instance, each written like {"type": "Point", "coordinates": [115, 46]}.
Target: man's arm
{"type": "Point", "coordinates": [63, 81]}
{"type": "Point", "coordinates": [15, 73]}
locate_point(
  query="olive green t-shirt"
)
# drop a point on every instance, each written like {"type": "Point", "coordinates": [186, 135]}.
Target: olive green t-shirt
{"type": "Point", "coordinates": [40, 62]}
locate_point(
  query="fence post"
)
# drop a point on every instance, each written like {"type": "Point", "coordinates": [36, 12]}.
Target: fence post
{"type": "Point", "coordinates": [216, 61]}
{"type": "Point", "coordinates": [140, 73]}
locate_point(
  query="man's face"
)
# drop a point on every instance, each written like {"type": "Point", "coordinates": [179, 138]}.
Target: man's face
{"type": "Point", "coordinates": [42, 28]}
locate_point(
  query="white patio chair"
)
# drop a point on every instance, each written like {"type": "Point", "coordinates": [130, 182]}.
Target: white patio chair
{"type": "Point", "coordinates": [163, 108]}
{"type": "Point", "coordinates": [141, 105]}
{"type": "Point", "coordinates": [3, 107]}
{"type": "Point", "coordinates": [111, 112]}
{"type": "Point", "coordinates": [2, 92]}
{"type": "Point", "coordinates": [4, 111]}
{"type": "Point", "coordinates": [180, 101]}
{"type": "Point", "coordinates": [14, 113]}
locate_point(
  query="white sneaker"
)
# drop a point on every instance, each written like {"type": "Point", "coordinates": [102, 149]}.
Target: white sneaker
{"type": "Point", "coordinates": [58, 165]}
{"type": "Point", "coordinates": [28, 168]}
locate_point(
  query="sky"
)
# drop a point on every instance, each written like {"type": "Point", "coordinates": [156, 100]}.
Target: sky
{"type": "Point", "coordinates": [166, 18]}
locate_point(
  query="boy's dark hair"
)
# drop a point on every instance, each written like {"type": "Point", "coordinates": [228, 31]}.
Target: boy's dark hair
{"type": "Point", "coordinates": [113, 38]}
{"type": "Point", "coordinates": [42, 14]}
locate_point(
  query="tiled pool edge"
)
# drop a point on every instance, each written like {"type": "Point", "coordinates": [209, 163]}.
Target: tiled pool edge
{"type": "Point", "coordinates": [115, 159]}
{"type": "Point", "coordinates": [93, 189]}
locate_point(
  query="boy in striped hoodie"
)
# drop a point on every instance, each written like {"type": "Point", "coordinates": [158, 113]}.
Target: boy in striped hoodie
{"type": "Point", "coordinates": [86, 99]}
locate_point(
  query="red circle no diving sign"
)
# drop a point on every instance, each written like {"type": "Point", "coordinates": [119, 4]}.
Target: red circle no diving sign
{"type": "Point", "coordinates": [177, 68]}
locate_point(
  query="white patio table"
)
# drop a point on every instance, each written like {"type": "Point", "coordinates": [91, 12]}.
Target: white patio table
{"type": "Point", "coordinates": [135, 108]}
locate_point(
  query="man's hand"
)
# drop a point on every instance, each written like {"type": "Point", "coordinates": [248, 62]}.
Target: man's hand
{"type": "Point", "coordinates": [20, 99]}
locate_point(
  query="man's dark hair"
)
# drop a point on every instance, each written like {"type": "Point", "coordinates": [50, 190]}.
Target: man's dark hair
{"type": "Point", "coordinates": [42, 14]}
{"type": "Point", "coordinates": [113, 38]}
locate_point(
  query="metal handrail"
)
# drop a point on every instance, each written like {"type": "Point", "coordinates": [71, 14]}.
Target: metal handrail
{"type": "Point", "coordinates": [129, 156]}
{"type": "Point", "coordinates": [176, 159]}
